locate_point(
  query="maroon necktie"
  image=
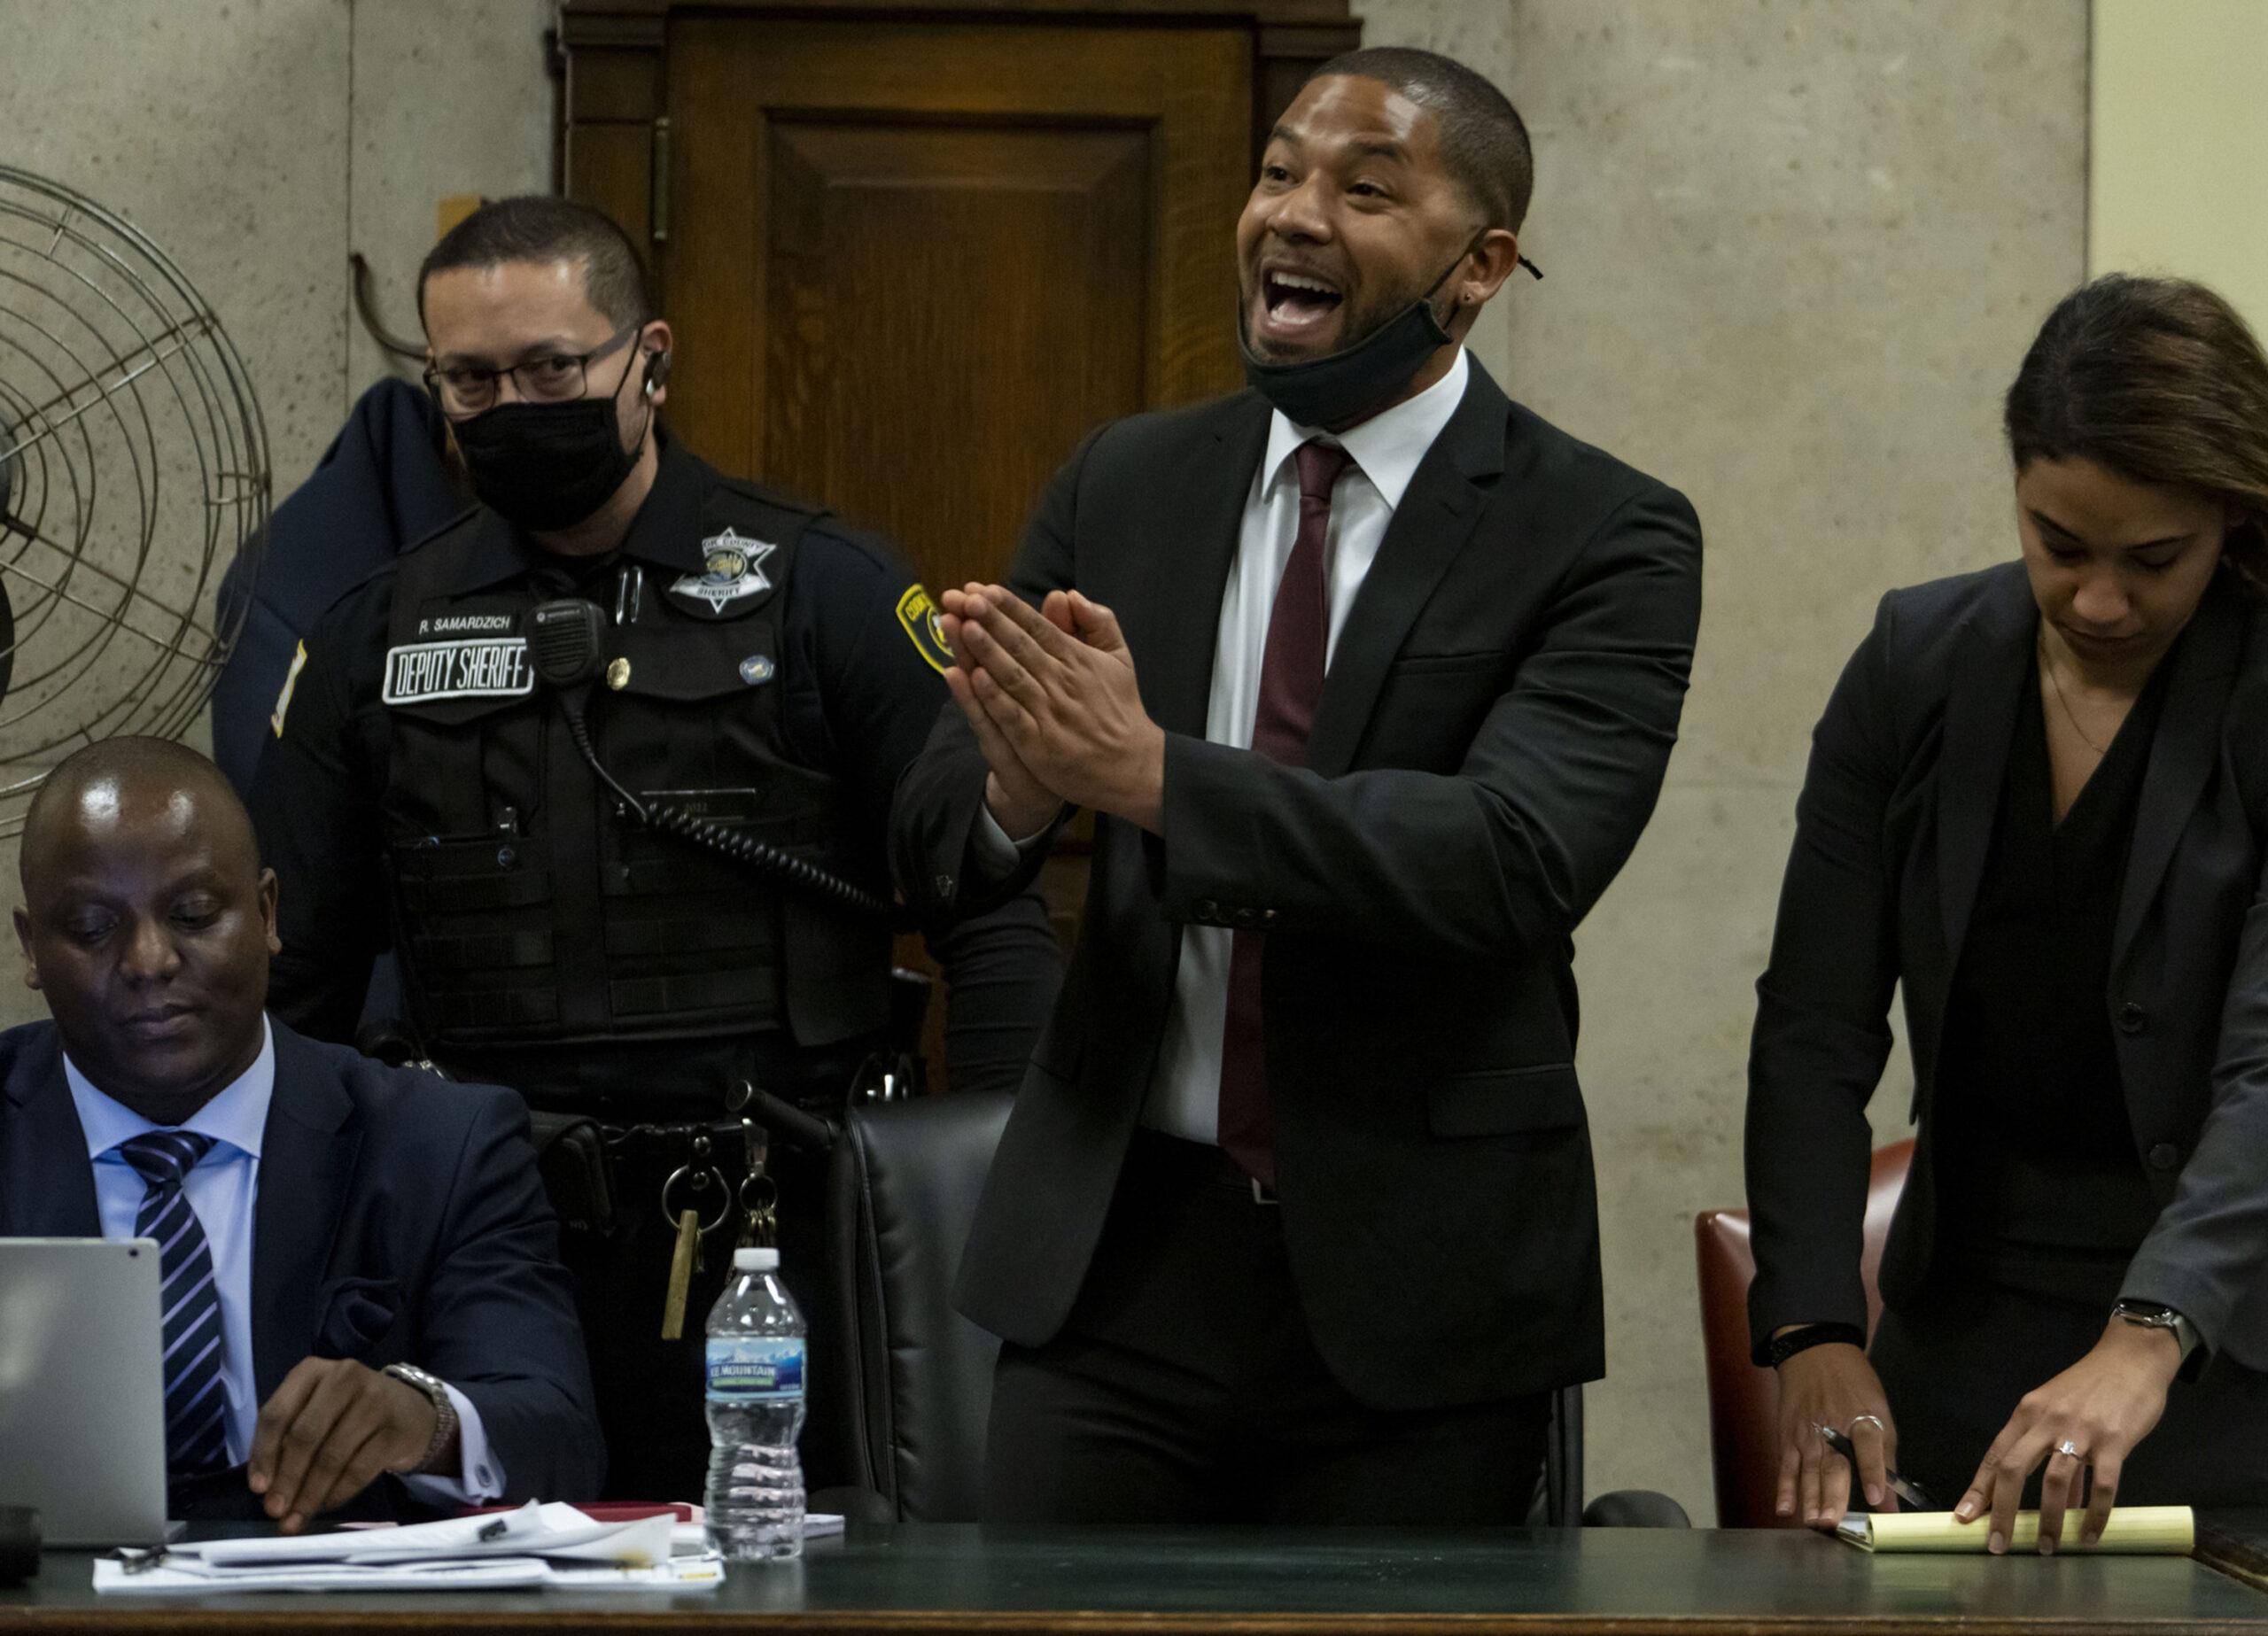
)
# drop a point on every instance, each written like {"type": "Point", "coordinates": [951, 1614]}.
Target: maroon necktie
{"type": "Point", "coordinates": [1291, 682]}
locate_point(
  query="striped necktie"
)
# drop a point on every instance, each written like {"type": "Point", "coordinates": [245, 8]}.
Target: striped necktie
{"type": "Point", "coordinates": [197, 1405]}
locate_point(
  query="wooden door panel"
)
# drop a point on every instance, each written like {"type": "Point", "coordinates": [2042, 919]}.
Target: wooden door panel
{"type": "Point", "coordinates": [917, 260]}
{"type": "Point", "coordinates": [618, 73]}
{"type": "Point", "coordinates": [1004, 269]}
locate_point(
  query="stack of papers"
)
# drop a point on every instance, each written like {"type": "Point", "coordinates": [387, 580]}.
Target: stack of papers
{"type": "Point", "coordinates": [548, 1545]}
{"type": "Point", "coordinates": [2132, 1531]}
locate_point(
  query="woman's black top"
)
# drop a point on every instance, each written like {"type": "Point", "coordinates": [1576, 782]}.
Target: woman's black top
{"type": "Point", "coordinates": [2042, 1187]}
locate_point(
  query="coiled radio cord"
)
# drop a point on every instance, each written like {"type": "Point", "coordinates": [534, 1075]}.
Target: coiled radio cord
{"type": "Point", "coordinates": [760, 856]}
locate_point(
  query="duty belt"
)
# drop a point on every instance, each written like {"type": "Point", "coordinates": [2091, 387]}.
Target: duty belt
{"type": "Point", "coordinates": [598, 1175]}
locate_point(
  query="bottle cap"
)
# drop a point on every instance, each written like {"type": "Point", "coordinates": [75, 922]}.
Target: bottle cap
{"type": "Point", "coordinates": [755, 1260]}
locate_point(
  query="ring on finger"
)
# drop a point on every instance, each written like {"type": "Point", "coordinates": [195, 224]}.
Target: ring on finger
{"type": "Point", "coordinates": [1866, 1420]}
{"type": "Point", "coordinates": [2069, 1449]}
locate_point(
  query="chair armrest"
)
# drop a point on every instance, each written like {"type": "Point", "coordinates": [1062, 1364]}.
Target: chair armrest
{"type": "Point", "coordinates": [1635, 1508]}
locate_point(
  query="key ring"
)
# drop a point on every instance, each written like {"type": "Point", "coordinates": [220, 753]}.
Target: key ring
{"type": "Point", "coordinates": [767, 1194]}
{"type": "Point", "coordinates": [700, 1185]}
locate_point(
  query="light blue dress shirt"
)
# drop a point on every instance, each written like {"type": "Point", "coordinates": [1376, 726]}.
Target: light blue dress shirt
{"type": "Point", "coordinates": [224, 1192]}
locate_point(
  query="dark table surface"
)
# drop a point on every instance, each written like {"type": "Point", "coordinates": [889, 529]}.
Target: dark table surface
{"type": "Point", "coordinates": [2236, 1542]}
{"type": "Point", "coordinates": [1146, 1581]}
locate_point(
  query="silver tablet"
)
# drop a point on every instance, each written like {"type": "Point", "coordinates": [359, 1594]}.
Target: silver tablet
{"type": "Point", "coordinates": [82, 1428]}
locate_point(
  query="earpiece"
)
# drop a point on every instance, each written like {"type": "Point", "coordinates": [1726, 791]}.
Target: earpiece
{"type": "Point", "coordinates": [657, 373]}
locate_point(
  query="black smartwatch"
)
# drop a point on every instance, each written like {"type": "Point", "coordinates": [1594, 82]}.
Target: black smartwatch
{"type": "Point", "coordinates": [2157, 1316]}
{"type": "Point", "coordinates": [1780, 1348]}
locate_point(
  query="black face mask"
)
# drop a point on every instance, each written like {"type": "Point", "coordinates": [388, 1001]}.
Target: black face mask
{"type": "Point", "coordinates": [1356, 382]}
{"type": "Point", "coordinates": [548, 466]}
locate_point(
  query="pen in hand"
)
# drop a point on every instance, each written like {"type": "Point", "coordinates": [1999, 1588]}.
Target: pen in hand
{"type": "Point", "coordinates": [1908, 1491]}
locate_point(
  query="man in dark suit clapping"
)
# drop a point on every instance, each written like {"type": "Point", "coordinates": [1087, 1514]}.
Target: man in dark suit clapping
{"type": "Point", "coordinates": [1295, 1217]}
{"type": "Point", "coordinates": [363, 1306]}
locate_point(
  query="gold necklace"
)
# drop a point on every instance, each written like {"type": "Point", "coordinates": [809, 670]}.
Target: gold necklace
{"type": "Point", "coordinates": [2048, 663]}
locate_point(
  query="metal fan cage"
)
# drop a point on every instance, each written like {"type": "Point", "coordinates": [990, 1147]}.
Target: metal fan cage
{"type": "Point", "coordinates": [133, 468]}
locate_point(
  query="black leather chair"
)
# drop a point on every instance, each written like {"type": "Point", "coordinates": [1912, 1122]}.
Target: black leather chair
{"type": "Point", "coordinates": [902, 1182]}
{"type": "Point", "coordinates": [902, 1189]}
{"type": "Point", "coordinates": [1559, 1490]}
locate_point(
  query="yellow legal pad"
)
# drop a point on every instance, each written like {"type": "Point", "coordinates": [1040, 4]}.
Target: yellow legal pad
{"type": "Point", "coordinates": [2132, 1531]}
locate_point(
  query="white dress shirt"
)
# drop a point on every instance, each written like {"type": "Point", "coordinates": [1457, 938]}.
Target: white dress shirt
{"type": "Point", "coordinates": [224, 1190]}
{"type": "Point", "coordinates": [1184, 1097]}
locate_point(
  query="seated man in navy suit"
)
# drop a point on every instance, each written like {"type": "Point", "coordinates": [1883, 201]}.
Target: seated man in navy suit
{"type": "Point", "coordinates": [364, 1302]}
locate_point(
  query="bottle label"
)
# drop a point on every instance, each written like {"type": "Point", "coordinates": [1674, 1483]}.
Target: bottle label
{"type": "Point", "coordinates": [750, 1368]}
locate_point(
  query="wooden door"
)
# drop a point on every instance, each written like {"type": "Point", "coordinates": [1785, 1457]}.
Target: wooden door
{"type": "Point", "coordinates": [914, 248]}
{"type": "Point", "coordinates": [911, 255]}
{"type": "Point", "coordinates": [914, 262]}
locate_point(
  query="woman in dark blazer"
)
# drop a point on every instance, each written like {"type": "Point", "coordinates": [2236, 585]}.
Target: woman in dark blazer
{"type": "Point", "coordinates": [2039, 800]}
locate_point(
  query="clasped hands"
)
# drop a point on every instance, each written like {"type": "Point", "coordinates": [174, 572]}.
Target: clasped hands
{"type": "Point", "coordinates": [1052, 695]}
{"type": "Point", "coordinates": [2103, 1406]}
{"type": "Point", "coordinates": [331, 1429]}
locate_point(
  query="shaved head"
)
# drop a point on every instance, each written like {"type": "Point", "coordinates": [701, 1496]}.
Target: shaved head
{"type": "Point", "coordinates": [95, 784]}
{"type": "Point", "coordinates": [148, 923]}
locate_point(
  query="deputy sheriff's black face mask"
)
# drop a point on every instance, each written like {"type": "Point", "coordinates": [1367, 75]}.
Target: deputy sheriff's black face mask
{"type": "Point", "coordinates": [548, 466]}
{"type": "Point", "coordinates": [1356, 382]}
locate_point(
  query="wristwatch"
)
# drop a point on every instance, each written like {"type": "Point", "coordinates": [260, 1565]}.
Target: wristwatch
{"type": "Point", "coordinates": [2155, 1316]}
{"type": "Point", "coordinates": [1804, 1336]}
{"type": "Point", "coordinates": [444, 1410]}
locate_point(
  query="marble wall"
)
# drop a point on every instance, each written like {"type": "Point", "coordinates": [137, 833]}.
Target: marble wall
{"type": "Point", "coordinates": [259, 142]}
{"type": "Point", "coordinates": [1795, 249]}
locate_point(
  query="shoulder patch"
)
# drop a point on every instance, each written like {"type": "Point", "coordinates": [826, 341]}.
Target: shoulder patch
{"type": "Point", "coordinates": [291, 681]}
{"type": "Point", "coordinates": [919, 616]}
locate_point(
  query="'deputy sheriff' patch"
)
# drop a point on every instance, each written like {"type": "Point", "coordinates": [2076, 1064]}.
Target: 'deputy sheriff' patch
{"type": "Point", "coordinates": [732, 573]}
{"type": "Point", "coordinates": [492, 667]}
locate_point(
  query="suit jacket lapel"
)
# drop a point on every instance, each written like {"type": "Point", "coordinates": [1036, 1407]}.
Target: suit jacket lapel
{"type": "Point", "coordinates": [306, 1164]}
{"type": "Point", "coordinates": [1985, 683]}
{"type": "Point", "coordinates": [47, 1186]}
{"type": "Point", "coordinates": [2182, 753]}
{"type": "Point", "coordinates": [1428, 528]}
{"type": "Point", "coordinates": [1174, 629]}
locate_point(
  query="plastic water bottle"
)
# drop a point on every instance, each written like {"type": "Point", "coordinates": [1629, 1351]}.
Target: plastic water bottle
{"type": "Point", "coordinates": [755, 1501]}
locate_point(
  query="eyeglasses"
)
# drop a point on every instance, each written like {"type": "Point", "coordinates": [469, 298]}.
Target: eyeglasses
{"type": "Point", "coordinates": [465, 388]}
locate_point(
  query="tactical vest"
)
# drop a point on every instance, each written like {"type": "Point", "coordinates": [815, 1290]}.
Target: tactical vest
{"type": "Point", "coordinates": [529, 906]}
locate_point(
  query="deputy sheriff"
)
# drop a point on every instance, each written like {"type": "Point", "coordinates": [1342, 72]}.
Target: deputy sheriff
{"type": "Point", "coordinates": [761, 675]}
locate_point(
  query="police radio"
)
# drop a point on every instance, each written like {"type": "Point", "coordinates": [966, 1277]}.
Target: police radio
{"type": "Point", "coordinates": [565, 641]}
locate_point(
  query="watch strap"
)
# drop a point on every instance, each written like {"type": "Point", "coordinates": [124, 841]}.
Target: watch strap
{"type": "Point", "coordinates": [2158, 1315]}
{"type": "Point", "coordinates": [445, 1411]}
{"type": "Point", "coordinates": [1780, 1348]}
